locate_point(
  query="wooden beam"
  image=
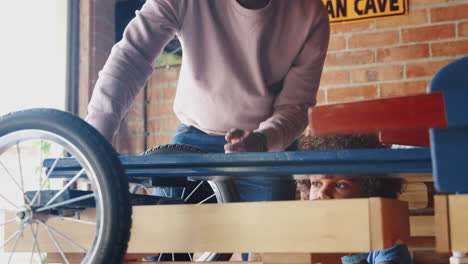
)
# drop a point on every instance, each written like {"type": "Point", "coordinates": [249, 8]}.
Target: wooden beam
{"type": "Point", "coordinates": [407, 112]}
{"type": "Point", "coordinates": [422, 226]}
{"type": "Point", "coordinates": [412, 137]}
{"type": "Point", "coordinates": [348, 225]}
{"type": "Point", "coordinates": [385, 228]}
{"type": "Point", "coordinates": [458, 216]}
{"type": "Point", "coordinates": [286, 258]}
{"type": "Point", "coordinates": [441, 222]}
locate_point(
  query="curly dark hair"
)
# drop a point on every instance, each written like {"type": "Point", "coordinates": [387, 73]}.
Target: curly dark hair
{"type": "Point", "coordinates": [372, 185]}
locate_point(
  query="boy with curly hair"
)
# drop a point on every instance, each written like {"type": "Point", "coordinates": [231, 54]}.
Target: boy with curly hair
{"type": "Point", "coordinates": [343, 186]}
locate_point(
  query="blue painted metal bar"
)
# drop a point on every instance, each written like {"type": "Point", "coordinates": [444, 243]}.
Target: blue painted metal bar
{"type": "Point", "coordinates": [267, 165]}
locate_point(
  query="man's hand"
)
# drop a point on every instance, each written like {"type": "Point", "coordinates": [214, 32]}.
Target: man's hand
{"type": "Point", "coordinates": [244, 141]}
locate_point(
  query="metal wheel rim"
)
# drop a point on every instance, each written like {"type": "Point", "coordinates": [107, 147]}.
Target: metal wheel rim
{"type": "Point", "coordinates": [15, 138]}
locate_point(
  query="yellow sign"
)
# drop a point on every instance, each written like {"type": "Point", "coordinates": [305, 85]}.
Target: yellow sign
{"type": "Point", "coordinates": [358, 10]}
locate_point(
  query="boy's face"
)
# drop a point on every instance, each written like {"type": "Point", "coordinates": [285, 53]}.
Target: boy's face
{"type": "Point", "coordinates": [338, 186]}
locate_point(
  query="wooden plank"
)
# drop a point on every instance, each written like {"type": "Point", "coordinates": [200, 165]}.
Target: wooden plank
{"type": "Point", "coordinates": [416, 111]}
{"type": "Point", "coordinates": [254, 227]}
{"type": "Point", "coordinates": [389, 223]}
{"type": "Point", "coordinates": [458, 216]}
{"type": "Point", "coordinates": [73, 258]}
{"type": "Point", "coordinates": [421, 242]}
{"type": "Point", "coordinates": [430, 257]}
{"type": "Point", "coordinates": [422, 225]}
{"type": "Point", "coordinates": [415, 194]}
{"type": "Point", "coordinates": [286, 258]}
{"type": "Point", "coordinates": [441, 223]}
{"type": "Point", "coordinates": [411, 137]}
{"type": "Point", "coordinates": [274, 227]}
{"type": "Point", "coordinates": [327, 258]}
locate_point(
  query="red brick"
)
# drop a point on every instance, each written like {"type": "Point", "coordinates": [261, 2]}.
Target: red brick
{"type": "Point", "coordinates": [403, 88]}
{"type": "Point", "coordinates": [377, 73]}
{"type": "Point", "coordinates": [169, 124]}
{"type": "Point", "coordinates": [157, 140]}
{"type": "Point", "coordinates": [423, 69]}
{"type": "Point", "coordinates": [449, 13]}
{"type": "Point", "coordinates": [337, 43]}
{"type": "Point", "coordinates": [414, 3]}
{"type": "Point", "coordinates": [350, 27]}
{"type": "Point", "coordinates": [154, 94]}
{"type": "Point", "coordinates": [416, 17]}
{"type": "Point", "coordinates": [334, 77]}
{"type": "Point", "coordinates": [403, 53]}
{"type": "Point", "coordinates": [154, 126]}
{"type": "Point", "coordinates": [160, 109]}
{"type": "Point", "coordinates": [373, 39]}
{"type": "Point", "coordinates": [420, 34]}
{"type": "Point", "coordinates": [463, 29]}
{"type": "Point", "coordinates": [349, 58]}
{"type": "Point", "coordinates": [169, 93]}
{"type": "Point", "coordinates": [450, 48]}
{"type": "Point", "coordinates": [321, 99]}
{"type": "Point", "coordinates": [353, 93]}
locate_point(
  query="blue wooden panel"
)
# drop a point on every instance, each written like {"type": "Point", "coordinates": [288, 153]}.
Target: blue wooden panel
{"type": "Point", "coordinates": [453, 81]}
{"type": "Point", "coordinates": [450, 159]}
{"type": "Point", "coordinates": [449, 147]}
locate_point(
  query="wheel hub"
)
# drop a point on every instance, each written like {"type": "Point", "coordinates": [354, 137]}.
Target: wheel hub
{"type": "Point", "coordinates": [24, 215]}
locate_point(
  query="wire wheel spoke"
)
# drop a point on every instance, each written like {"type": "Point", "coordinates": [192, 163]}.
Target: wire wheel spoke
{"type": "Point", "coordinates": [13, 220]}
{"type": "Point", "coordinates": [77, 199]}
{"type": "Point", "coordinates": [74, 220]}
{"type": "Point", "coordinates": [35, 243]}
{"type": "Point", "coordinates": [17, 233]}
{"type": "Point", "coordinates": [63, 236]}
{"type": "Point", "coordinates": [193, 191]}
{"type": "Point", "coordinates": [207, 198]}
{"type": "Point", "coordinates": [69, 183]}
{"type": "Point", "coordinates": [8, 201]}
{"type": "Point", "coordinates": [14, 181]}
{"type": "Point", "coordinates": [55, 243]}
{"type": "Point", "coordinates": [14, 249]}
{"type": "Point", "coordinates": [41, 187]}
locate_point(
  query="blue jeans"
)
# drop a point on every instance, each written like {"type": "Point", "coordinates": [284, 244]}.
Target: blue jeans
{"type": "Point", "coordinates": [250, 190]}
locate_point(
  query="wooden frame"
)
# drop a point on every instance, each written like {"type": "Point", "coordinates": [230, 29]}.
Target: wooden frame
{"type": "Point", "coordinates": [348, 225]}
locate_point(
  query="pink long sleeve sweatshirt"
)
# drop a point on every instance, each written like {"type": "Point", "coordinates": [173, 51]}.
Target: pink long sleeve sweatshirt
{"type": "Point", "coordinates": [248, 69]}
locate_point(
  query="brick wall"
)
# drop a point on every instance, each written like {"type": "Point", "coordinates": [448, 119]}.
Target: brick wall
{"type": "Point", "coordinates": [396, 56]}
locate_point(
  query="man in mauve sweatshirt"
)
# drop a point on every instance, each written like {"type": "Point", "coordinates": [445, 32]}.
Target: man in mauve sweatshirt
{"type": "Point", "coordinates": [250, 70]}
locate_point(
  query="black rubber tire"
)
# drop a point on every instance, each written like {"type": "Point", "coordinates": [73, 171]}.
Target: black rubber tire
{"type": "Point", "coordinates": [227, 188]}
{"type": "Point", "coordinates": [102, 158]}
